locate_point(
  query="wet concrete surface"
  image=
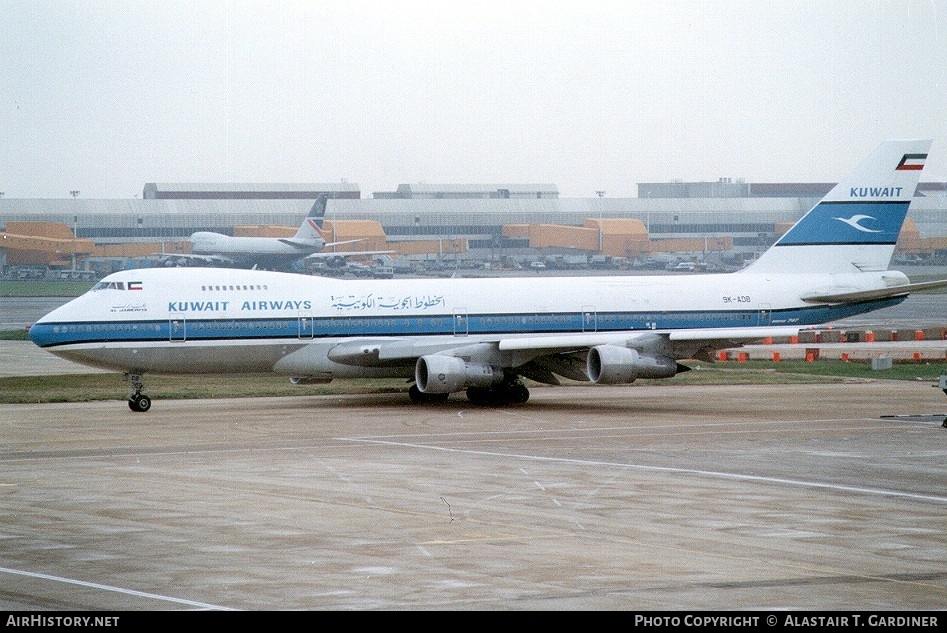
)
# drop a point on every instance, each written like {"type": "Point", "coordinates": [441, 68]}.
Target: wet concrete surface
{"type": "Point", "coordinates": [811, 497]}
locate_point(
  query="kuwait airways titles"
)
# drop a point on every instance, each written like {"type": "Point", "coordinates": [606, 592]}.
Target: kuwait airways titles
{"type": "Point", "coordinates": [246, 306]}
{"type": "Point", "coordinates": [875, 192]}
{"type": "Point", "coordinates": [339, 302]}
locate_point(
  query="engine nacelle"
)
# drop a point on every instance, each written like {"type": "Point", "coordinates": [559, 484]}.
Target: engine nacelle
{"type": "Point", "coordinates": [615, 365]}
{"type": "Point", "coordinates": [437, 373]}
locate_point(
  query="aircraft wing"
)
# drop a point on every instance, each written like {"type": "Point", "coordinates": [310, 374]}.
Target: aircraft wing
{"type": "Point", "coordinates": [303, 244]}
{"type": "Point", "coordinates": [679, 344]}
{"type": "Point", "coordinates": [869, 295]}
{"type": "Point", "coordinates": [541, 356]}
{"type": "Point", "coordinates": [335, 255]}
{"type": "Point", "coordinates": [343, 242]}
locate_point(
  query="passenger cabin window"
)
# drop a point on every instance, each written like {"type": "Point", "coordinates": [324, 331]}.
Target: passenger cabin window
{"type": "Point", "coordinates": [216, 288]}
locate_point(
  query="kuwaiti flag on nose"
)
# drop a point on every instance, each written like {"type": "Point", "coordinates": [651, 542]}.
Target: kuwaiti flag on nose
{"type": "Point", "coordinates": [134, 285]}
{"type": "Point", "coordinates": [911, 162]}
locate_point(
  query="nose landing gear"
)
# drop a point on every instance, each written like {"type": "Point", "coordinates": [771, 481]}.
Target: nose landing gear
{"type": "Point", "coordinates": [137, 401]}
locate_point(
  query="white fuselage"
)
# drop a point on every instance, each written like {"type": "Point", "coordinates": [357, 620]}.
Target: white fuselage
{"type": "Point", "coordinates": [222, 320]}
{"type": "Point", "coordinates": [205, 243]}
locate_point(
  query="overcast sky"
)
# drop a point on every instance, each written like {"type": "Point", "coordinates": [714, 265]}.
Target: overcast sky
{"type": "Point", "coordinates": [104, 96]}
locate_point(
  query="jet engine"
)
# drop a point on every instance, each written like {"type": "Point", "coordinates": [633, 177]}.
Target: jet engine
{"type": "Point", "coordinates": [437, 373]}
{"type": "Point", "coordinates": [615, 365]}
{"type": "Point", "coordinates": [335, 262]}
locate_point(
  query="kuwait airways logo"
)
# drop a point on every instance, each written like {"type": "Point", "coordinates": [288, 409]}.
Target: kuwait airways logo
{"type": "Point", "coordinates": [912, 162]}
{"type": "Point", "coordinates": [854, 223]}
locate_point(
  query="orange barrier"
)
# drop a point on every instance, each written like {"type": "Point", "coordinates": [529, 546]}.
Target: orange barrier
{"type": "Point", "coordinates": [794, 340]}
{"type": "Point", "coordinates": [742, 357]}
{"type": "Point", "coordinates": [869, 336]}
{"type": "Point", "coordinates": [844, 357]}
{"type": "Point", "coordinates": [810, 357]}
{"type": "Point", "coordinates": [722, 357]}
{"type": "Point", "coordinates": [775, 357]}
{"type": "Point", "coordinates": [919, 335]}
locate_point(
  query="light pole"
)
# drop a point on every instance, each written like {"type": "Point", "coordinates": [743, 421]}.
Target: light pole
{"type": "Point", "coordinates": [601, 194]}
{"type": "Point", "coordinates": [75, 228]}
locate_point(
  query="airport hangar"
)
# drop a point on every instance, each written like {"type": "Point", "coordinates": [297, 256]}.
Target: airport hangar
{"type": "Point", "coordinates": [723, 220]}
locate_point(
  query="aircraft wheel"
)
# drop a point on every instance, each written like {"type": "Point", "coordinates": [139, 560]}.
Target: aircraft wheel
{"type": "Point", "coordinates": [480, 395]}
{"type": "Point", "coordinates": [139, 403]}
{"type": "Point", "coordinates": [518, 394]}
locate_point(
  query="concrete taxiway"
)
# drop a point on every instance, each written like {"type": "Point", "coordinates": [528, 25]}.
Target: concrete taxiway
{"type": "Point", "coordinates": [813, 497]}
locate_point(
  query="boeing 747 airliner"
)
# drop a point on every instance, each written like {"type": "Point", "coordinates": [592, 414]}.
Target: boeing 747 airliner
{"type": "Point", "coordinates": [268, 253]}
{"type": "Point", "coordinates": [484, 336]}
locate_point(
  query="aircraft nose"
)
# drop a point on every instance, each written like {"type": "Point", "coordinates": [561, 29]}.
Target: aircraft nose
{"type": "Point", "coordinates": [42, 332]}
{"type": "Point", "coordinates": [38, 334]}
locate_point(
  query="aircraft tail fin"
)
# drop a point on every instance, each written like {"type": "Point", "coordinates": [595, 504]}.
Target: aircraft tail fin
{"type": "Point", "coordinates": [855, 227]}
{"type": "Point", "coordinates": [311, 228]}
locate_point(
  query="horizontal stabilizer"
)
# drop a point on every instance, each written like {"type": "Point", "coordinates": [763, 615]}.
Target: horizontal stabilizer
{"type": "Point", "coordinates": [870, 295]}
{"type": "Point", "coordinates": [300, 244]}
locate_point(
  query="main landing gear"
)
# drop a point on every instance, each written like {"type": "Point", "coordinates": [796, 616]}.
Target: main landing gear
{"type": "Point", "coordinates": [137, 401]}
{"type": "Point", "coordinates": [507, 392]}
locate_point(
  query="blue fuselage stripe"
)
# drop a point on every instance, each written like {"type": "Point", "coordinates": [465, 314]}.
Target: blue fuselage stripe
{"type": "Point", "coordinates": [57, 334]}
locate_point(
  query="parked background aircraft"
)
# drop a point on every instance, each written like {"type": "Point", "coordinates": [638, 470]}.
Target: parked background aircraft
{"type": "Point", "coordinates": [485, 335]}
{"type": "Point", "coordinates": [266, 253]}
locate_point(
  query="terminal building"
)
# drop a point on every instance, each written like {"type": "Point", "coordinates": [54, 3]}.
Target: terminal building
{"type": "Point", "coordinates": [724, 220]}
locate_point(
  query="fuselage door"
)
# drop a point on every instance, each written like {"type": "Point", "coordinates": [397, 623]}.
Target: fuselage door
{"type": "Point", "coordinates": [589, 319]}
{"type": "Point", "coordinates": [765, 314]}
{"type": "Point", "coordinates": [305, 325]}
{"type": "Point", "coordinates": [461, 327]}
{"type": "Point", "coordinates": [177, 326]}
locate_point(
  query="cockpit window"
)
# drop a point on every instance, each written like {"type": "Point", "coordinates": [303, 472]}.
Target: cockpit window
{"type": "Point", "coordinates": [109, 285]}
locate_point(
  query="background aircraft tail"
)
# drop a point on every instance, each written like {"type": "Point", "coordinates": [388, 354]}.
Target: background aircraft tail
{"type": "Point", "coordinates": [854, 228]}
{"type": "Point", "coordinates": [311, 228]}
